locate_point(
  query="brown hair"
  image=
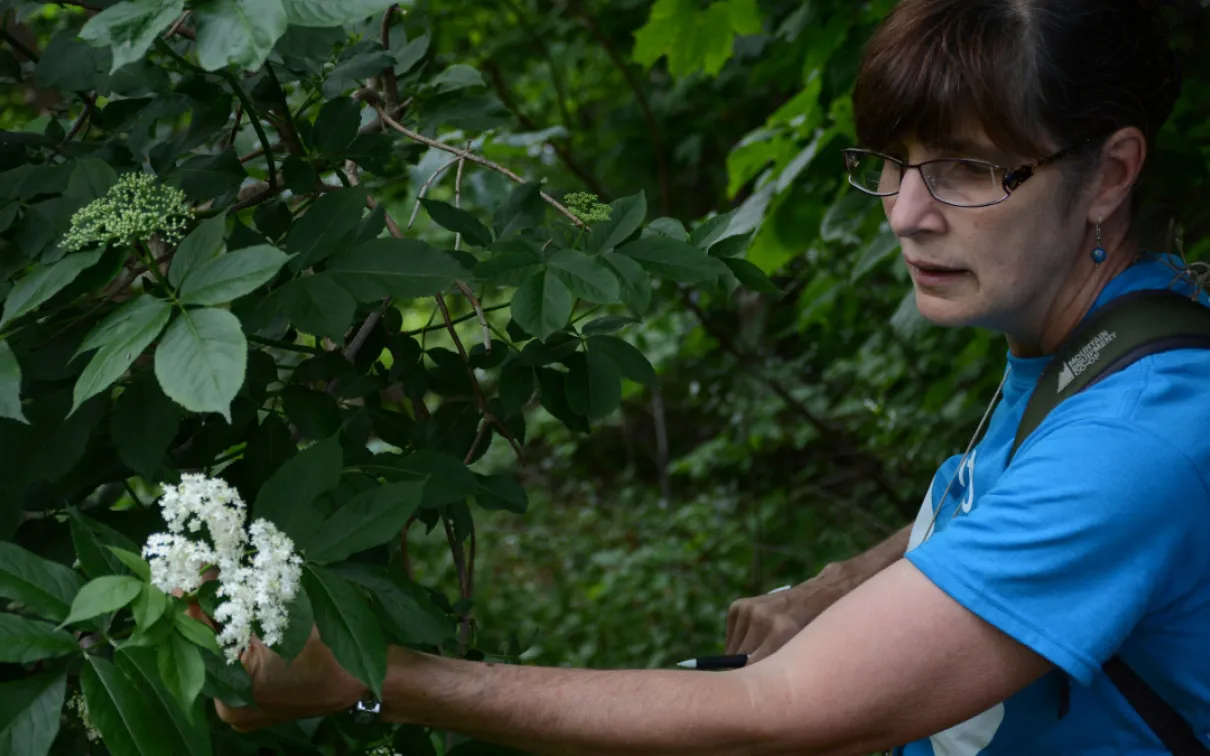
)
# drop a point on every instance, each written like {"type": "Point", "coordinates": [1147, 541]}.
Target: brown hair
{"type": "Point", "coordinates": [1037, 75]}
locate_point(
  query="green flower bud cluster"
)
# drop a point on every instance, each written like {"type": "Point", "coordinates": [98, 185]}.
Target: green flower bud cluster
{"type": "Point", "coordinates": [133, 209]}
{"type": "Point", "coordinates": [585, 207]}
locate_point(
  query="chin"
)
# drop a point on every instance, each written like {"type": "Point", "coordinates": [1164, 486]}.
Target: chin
{"type": "Point", "coordinates": [947, 313]}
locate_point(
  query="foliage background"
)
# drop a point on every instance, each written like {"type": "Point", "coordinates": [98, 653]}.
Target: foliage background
{"type": "Point", "coordinates": [783, 432]}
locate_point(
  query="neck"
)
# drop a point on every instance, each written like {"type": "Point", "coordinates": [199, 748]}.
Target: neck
{"type": "Point", "coordinates": [1073, 301]}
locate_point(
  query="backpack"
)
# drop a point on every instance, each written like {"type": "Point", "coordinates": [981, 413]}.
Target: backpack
{"type": "Point", "coordinates": [1122, 332]}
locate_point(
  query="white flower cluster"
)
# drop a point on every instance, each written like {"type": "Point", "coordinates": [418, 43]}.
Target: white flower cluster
{"type": "Point", "coordinates": [133, 209]}
{"type": "Point", "coordinates": [253, 591]}
{"type": "Point", "coordinates": [77, 704]}
{"type": "Point", "coordinates": [383, 750]}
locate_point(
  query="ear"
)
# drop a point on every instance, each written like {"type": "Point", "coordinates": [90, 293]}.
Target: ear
{"type": "Point", "coordinates": [1122, 160]}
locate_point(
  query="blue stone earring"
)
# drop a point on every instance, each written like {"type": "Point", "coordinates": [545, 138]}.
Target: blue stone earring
{"type": "Point", "coordinates": [1099, 254]}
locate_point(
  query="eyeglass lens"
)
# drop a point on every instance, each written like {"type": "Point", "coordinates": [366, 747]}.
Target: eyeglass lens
{"type": "Point", "coordinates": [955, 181]}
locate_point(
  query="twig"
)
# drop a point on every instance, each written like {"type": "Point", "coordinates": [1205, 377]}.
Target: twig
{"type": "Point", "coordinates": [424, 190]}
{"type": "Point", "coordinates": [288, 346]}
{"type": "Point", "coordinates": [289, 135]}
{"type": "Point", "coordinates": [472, 157]}
{"type": "Point", "coordinates": [256, 124]}
{"type": "Point", "coordinates": [239, 114]}
{"type": "Point", "coordinates": [90, 103]}
{"type": "Point", "coordinates": [176, 27]}
{"type": "Point", "coordinates": [470, 295]}
{"type": "Point", "coordinates": [564, 154]}
{"type": "Point", "coordinates": [455, 321]}
{"type": "Point", "coordinates": [480, 399]}
{"type": "Point", "coordinates": [403, 548]}
{"type": "Point", "coordinates": [390, 84]}
{"type": "Point", "coordinates": [460, 568]}
{"type": "Point", "coordinates": [834, 437]}
{"type": "Point", "coordinates": [19, 46]}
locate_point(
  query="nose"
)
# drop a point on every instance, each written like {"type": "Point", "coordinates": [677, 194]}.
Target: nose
{"type": "Point", "coordinates": [913, 210]}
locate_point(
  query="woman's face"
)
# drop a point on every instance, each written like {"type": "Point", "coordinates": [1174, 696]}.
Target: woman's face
{"type": "Point", "coordinates": [1001, 267]}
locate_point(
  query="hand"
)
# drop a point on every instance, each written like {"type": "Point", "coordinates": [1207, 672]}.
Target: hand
{"type": "Point", "coordinates": [311, 685]}
{"type": "Point", "coordinates": [760, 625]}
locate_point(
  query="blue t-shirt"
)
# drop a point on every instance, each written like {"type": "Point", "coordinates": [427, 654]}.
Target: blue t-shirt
{"type": "Point", "coordinates": [1096, 541]}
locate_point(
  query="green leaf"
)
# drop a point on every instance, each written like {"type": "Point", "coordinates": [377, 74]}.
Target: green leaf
{"type": "Point", "coordinates": [336, 126]}
{"type": "Point", "coordinates": [509, 268]}
{"type": "Point", "coordinates": [149, 607]}
{"type": "Point", "coordinates": [635, 284]}
{"type": "Point", "coordinates": [625, 217]}
{"type": "Point", "coordinates": [409, 55]}
{"type": "Point", "coordinates": [317, 305]}
{"type": "Point", "coordinates": [129, 28]}
{"type": "Point", "coordinates": [516, 387]}
{"type": "Point", "coordinates": [552, 386]}
{"type": "Point", "coordinates": [239, 32]}
{"type": "Point", "coordinates": [90, 539]}
{"type": "Point", "coordinates": [732, 246]}
{"type": "Point", "coordinates": [173, 729]}
{"type": "Point", "coordinates": [24, 640]}
{"type": "Point", "coordinates": [457, 76]}
{"type": "Point", "coordinates": [585, 277]}
{"type": "Point", "coordinates": [606, 324]}
{"type": "Point", "coordinates": [90, 179]}
{"type": "Point", "coordinates": [542, 305]}
{"type": "Point", "coordinates": [694, 40]}
{"type": "Point", "coordinates": [288, 496]}
{"type": "Point", "coordinates": [202, 244]}
{"type": "Point", "coordinates": [103, 595]}
{"type": "Point", "coordinates": [204, 177]}
{"type": "Point", "coordinates": [501, 492]}
{"type": "Point", "coordinates": [229, 683]}
{"type": "Point", "coordinates": [322, 230]}
{"type": "Point", "coordinates": [398, 268]}
{"type": "Point", "coordinates": [43, 282]}
{"type": "Point", "coordinates": [71, 65]}
{"type": "Point", "coordinates": [446, 479]}
{"type": "Point", "coordinates": [29, 713]}
{"type": "Point", "coordinates": [231, 276]}
{"type": "Point", "coordinates": [125, 713]}
{"type": "Point", "coordinates": [10, 385]}
{"type": "Point", "coordinates": [298, 630]}
{"type": "Point", "coordinates": [46, 588]}
{"type": "Point", "coordinates": [594, 388]}
{"type": "Point", "coordinates": [628, 360]}
{"type": "Point", "coordinates": [522, 209]}
{"type": "Point", "coordinates": [673, 260]}
{"type": "Point", "coordinates": [136, 563]}
{"type": "Point", "coordinates": [143, 424]}
{"type": "Point", "coordinates": [709, 232]}
{"type": "Point", "coordinates": [201, 360]}
{"type": "Point", "coordinates": [326, 13]}
{"type": "Point", "coordinates": [181, 669]}
{"type": "Point", "coordinates": [347, 626]}
{"type": "Point", "coordinates": [410, 612]}
{"type": "Point", "coordinates": [459, 221]}
{"type": "Point", "coordinates": [751, 276]}
{"type": "Point", "coordinates": [351, 72]}
{"type": "Point", "coordinates": [367, 520]}
{"type": "Point", "coordinates": [197, 633]}
{"type": "Point", "coordinates": [667, 227]}
{"type": "Point", "coordinates": [122, 338]}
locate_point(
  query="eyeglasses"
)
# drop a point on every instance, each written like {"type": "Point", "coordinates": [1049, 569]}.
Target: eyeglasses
{"type": "Point", "coordinates": [961, 182]}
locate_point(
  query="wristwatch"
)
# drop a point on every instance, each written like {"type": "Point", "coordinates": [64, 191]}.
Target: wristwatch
{"type": "Point", "coordinates": [367, 710]}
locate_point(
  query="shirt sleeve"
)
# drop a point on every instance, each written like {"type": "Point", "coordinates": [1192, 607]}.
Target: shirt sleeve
{"type": "Point", "coordinates": [1088, 529]}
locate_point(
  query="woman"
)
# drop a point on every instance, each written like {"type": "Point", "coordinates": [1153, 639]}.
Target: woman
{"type": "Point", "coordinates": [1006, 138]}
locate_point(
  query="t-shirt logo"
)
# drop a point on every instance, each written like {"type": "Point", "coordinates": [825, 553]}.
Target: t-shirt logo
{"type": "Point", "coordinates": [1084, 359]}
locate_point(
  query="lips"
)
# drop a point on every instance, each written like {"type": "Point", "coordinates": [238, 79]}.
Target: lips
{"type": "Point", "coordinates": [931, 267]}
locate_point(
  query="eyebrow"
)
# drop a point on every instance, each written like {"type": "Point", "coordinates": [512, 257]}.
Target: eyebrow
{"type": "Point", "coordinates": [972, 149]}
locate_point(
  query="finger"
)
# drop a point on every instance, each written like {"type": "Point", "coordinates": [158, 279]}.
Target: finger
{"type": "Point", "coordinates": [733, 613]}
{"type": "Point", "coordinates": [736, 629]}
{"type": "Point", "coordinates": [743, 633]}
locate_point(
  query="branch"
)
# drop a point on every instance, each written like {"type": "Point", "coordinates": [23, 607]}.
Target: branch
{"type": "Point", "coordinates": [834, 437]}
{"type": "Point", "coordinates": [177, 29]}
{"type": "Point", "coordinates": [653, 128]}
{"type": "Point", "coordinates": [19, 46]}
{"type": "Point", "coordinates": [463, 586]}
{"type": "Point", "coordinates": [239, 115]}
{"type": "Point", "coordinates": [422, 139]}
{"type": "Point", "coordinates": [424, 188]}
{"type": "Point", "coordinates": [256, 124]}
{"type": "Point", "coordinates": [462, 286]}
{"type": "Point", "coordinates": [560, 150]}
{"type": "Point", "coordinates": [90, 104]}
{"type": "Point", "coordinates": [390, 84]}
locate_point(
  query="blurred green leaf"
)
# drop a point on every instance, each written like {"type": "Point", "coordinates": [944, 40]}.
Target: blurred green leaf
{"type": "Point", "coordinates": [200, 361]}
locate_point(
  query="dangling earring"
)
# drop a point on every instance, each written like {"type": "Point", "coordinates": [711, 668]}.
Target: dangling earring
{"type": "Point", "coordinates": [1099, 254]}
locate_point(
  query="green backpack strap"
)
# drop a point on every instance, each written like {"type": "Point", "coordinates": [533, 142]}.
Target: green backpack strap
{"type": "Point", "coordinates": [1127, 329]}
{"type": "Point", "coordinates": [1122, 332]}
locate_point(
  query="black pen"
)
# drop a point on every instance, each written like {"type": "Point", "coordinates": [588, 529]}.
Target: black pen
{"type": "Point", "coordinates": [732, 661]}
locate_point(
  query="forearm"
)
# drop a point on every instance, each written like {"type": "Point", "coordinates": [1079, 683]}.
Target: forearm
{"type": "Point", "coordinates": [584, 712]}
{"type": "Point", "coordinates": [866, 565]}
